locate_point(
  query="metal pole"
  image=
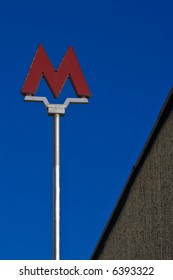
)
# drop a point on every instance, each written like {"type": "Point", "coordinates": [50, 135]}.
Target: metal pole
{"type": "Point", "coordinates": [56, 187]}
{"type": "Point", "coordinates": [56, 110]}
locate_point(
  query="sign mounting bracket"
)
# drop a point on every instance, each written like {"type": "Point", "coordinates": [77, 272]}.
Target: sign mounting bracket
{"type": "Point", "coordinates": [56, 108]}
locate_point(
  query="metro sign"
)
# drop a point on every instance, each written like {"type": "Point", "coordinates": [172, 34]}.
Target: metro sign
{"type": "Point", "coordinates": [42, 67]}
{"type": "Point", "coordinates": [69, 68]}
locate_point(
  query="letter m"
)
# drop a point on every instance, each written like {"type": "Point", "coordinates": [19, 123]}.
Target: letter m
{"type": "Point", "coordinates": [68, 68]}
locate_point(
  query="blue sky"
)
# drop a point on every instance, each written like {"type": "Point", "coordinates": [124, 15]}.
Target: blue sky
{"type": "Point", "coordinates": [125, 49]}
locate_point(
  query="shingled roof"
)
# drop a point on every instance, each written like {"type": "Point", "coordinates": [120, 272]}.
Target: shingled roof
{"type": "Point", "coordinates": [167, 107]}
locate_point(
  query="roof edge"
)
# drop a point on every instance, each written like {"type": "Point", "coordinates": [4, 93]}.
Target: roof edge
{"type": "Point", "coordinates": [164, 112]}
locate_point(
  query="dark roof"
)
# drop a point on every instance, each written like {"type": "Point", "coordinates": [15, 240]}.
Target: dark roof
{"type": "Point", "coordinates": [123, 197]}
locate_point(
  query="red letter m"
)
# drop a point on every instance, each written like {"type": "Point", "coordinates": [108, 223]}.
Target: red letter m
{"type": "Point", "coordinates": [68, 68]}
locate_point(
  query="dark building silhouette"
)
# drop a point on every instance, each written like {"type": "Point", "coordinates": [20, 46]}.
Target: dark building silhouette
{"type": "Point", "coordinates": [141, 225]}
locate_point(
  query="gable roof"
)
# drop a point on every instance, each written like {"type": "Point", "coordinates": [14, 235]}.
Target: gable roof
{"type": "Point", "coordinates": [123, 197]}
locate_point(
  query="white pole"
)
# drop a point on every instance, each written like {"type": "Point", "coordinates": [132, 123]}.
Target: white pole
{"type": "Point", "coordinates": [56, 187]}
{"type": "Point", "coordinates": [56, 110]}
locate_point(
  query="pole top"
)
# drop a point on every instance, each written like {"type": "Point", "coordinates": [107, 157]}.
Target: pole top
{"type": "Point", "coordinates": [56, 108]}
